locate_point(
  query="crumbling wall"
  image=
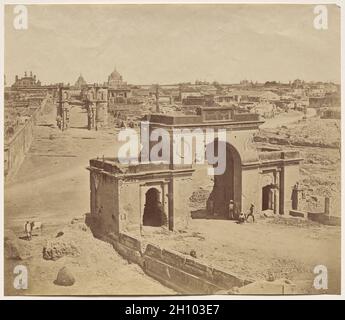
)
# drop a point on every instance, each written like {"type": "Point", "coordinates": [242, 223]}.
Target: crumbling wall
{"type": "Point", "coordinates": [181, 196]}
{"type": "Point", "coordinates": [129, 206]}
{"type": "Point", "coordinates": [104, 203]}
{"type": "Point", "coordinates": [17, 147]}
{"type": "Point", "coordinates": [175, 270]}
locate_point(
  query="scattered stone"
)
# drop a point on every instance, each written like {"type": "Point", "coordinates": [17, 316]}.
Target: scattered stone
{"type": "Point", "coordinates": [55, 249]}
{"type": "Point", "coordinates": [268, 213]}
{"type": "Point", "coordinates": [77, 225]}
{"type": "Point", "coordinates": [77, 220]}
{"type": "Point", "coordinates": [193, 254]}
{"type": "Point", "coordinates": [64, 277]}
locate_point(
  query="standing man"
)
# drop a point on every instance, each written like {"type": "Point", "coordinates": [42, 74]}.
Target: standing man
{"type": "Point", "coordinates": [58, 121]}
{"type": "Point", "coordinates": [231, 210]}
{"type": "Point", "coordinates": [28, 230]}
{"type": "Point", "coordinates": [251, 213]}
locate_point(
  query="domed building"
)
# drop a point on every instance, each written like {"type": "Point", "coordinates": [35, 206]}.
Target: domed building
{"type": "Point", "coordinates": [80, 82]}
{"type": "Point", "coordinates": [115, 80]}
{"type": "Point", "coordinates": [28, 81]}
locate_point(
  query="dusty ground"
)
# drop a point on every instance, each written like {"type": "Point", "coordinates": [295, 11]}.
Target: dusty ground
{"type": "Point", "coordinates": [53, 186]}
{"type": "Point", "coordinates": [53, 183]}
{"type": "Point", "coordinates": [284, 248]}
{"type": "Point", "coordinates": [96, 267]}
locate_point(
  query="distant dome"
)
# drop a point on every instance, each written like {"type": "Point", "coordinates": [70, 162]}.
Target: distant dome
{"type": "Point", "coordinates": [115, 80]}
{"type": "Point", "coordinates": [80, 82]}
{"type": "Point", "coordinates": [115, 76]}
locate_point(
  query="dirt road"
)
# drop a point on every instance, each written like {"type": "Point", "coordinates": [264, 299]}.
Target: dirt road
{"type": "Point", "coordinates": [284, 119]}
{"type": "Point", "coordinates": [53, 183]}
{"type": "Point", "coordinates": [52, 186]}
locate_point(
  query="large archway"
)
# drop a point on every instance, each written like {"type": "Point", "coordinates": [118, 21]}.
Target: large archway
{"type": "Point", "coordinates": [226, 197]}
{"type": "Point", "coordinates": [154, 214]}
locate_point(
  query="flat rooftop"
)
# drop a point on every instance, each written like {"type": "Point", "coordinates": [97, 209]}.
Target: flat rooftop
{"type": "Point", "coordinates": [206, 115]}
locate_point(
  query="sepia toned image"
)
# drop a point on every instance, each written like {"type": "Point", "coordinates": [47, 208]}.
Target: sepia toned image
{"type": "Point", "coordinates": [172, 149]}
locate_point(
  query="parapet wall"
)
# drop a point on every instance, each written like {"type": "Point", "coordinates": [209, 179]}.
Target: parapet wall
{"type": "Point", "coordinates": [180, 272]}
{"type": "Point", "coordinates": [17, 147]}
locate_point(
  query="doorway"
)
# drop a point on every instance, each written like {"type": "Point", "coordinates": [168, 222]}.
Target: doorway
{"type": "Point", "coordinates": [267, 198]}
{"type": "Point", "coordinates": [154, 215]}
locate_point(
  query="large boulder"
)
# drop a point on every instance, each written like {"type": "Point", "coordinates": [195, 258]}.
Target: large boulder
{"type": "Point", "coordinates": [64, 277]}
{"type": "Point", "coordinates": [60, 247]}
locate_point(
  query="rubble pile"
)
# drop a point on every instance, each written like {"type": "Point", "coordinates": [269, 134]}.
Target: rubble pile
{"type": "Point", "coordinates": [198, 198]}
{"type": "Point", "coordinates": [323, 133]}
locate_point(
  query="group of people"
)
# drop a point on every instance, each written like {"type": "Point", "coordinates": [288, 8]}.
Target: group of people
{"type": "Point", "coordinates": [241, 217]}
{"type": "Point", "coordinates": [233, 211]}
{"type": "Point", "coordinates": [29, 226]}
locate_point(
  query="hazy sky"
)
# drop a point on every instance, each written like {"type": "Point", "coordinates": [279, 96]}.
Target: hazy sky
{"type": "Point", "coordinates": [173, 43]}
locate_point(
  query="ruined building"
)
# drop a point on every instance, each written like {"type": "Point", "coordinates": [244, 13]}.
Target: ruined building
{"type": "Point", "coordinates": [26, 82]}
{"type": "Point", "coordinates": [115, 80]}
{"type": "Point", "coordinates": [130, 197]}
{"type": "Point", "coordinates": [95, 100]}
{"type": "Point", "coordinates": [80, 83]}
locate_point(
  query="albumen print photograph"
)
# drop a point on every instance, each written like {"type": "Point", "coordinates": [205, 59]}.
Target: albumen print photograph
{"type": "Point", "coordinates": [172, 149]}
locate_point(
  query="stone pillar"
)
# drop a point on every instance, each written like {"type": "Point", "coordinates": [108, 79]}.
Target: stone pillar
{"type": "Point", "coordinates": [165, 202]}
{"type": "Point", "coordinates": [101, 107]}
{"type": "Point", "coordinates": [142, 205]}
{"type": "Point", "coordinates": [276, 192]}
{"type": "Point", "coordinates": [62, 114]}
{"type": "Point", "coordinates": [171, 205]}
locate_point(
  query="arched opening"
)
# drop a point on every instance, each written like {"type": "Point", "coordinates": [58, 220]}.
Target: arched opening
{"type": "Point", "coordinates": [226, 197]}
{"type": "Point", "coordinates": [154, 215]}
{"type": "Point", "coordinates": [267, 198]}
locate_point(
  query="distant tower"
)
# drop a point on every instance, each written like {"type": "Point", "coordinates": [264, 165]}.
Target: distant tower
{"type": "Point", "coordinates": [90, 103]}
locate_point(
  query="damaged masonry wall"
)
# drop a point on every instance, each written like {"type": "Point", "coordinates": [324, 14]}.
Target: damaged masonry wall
{"type": "Point", "coordinates": [182, 273]}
